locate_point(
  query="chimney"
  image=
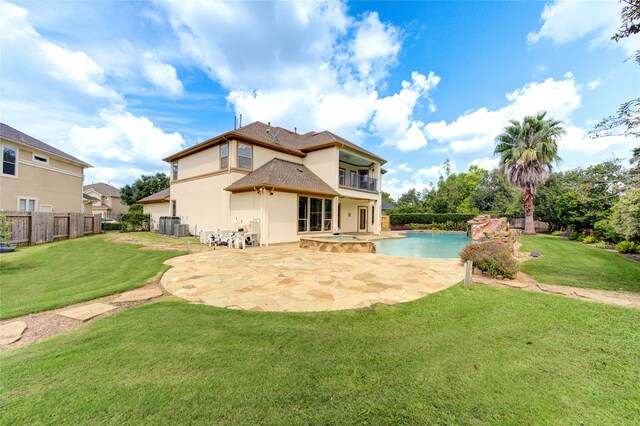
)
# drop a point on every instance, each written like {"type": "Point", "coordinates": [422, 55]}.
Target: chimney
{"type": "Point", "coordinates": [235, 122]}
{"type": "Point", "coordinates": [269, 124]}
{"type": "Point", "coordinates": [240, 120]}
{"type": "Point", "coordinates": [295, 130]}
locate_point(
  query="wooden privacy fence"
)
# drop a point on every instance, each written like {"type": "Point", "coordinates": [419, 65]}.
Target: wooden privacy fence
{"type": "Point", "coordinates": [29, 228]}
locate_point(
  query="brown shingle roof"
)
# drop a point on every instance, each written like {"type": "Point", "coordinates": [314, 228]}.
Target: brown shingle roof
{"type": "Point", "coordinates": [282, 174]}
{"type": "Point", "coordinates": [155, 198]}
{"type": "Point", "coordinates": [103, 189]}
{"type": "Point", "coordinates": [14, 135]}
{"type": "Point", "coordinates": [89, 197]}
{"type": "Point", "coordinates": [278, 138]}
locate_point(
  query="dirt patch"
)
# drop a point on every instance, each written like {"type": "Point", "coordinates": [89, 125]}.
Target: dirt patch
{"type": "Point", "coordinates": [44, 325]}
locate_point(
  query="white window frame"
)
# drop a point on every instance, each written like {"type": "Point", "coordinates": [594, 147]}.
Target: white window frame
{"type": "Point", "coordinates": [33, 158]}
{"type": "Point", "coordinates": [27, 199]}
{"type": "Point", "coordinates": [14, 176]}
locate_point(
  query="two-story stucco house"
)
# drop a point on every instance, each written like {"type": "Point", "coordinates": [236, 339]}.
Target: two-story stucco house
{"type": "Point", "coordinates": [38, 177]}
{"type": "Point", "coordinates": [104, 199]}
{"type": "Point", "coordinates": [295, 184]}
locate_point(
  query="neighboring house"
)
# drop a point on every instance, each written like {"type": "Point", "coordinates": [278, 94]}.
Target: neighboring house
{"type": "Point", "coordinates": [105, 200]}
{"type": "Point", "coordinates": [38, 177]}
{"type": "Point", "coordinates": [156, 205]}
{"type": "Point", "coordinates": [386, 206]}
{"type": "Point", "coordinates": [295, 184]}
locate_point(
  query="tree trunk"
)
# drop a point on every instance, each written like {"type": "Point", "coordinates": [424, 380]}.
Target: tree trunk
{"type": "Point", "coordinates": [529, 224]}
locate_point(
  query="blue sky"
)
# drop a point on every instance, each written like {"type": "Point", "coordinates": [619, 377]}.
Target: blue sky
{"type": "Point", "coordinates": [123, 84]}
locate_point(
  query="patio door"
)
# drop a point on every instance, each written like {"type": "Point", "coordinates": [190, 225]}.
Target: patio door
{"type": "Point", "coordinates": [362, 219]}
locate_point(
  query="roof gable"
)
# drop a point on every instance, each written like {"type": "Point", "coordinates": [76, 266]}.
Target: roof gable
{"type": "Point", "coordinates": [13, 135]}
{"type": "Point", "coordinates": [280, 139]}
{"type": "Point", "coordinates": [282, 174]}
{"type": "Point", "coordinates": [103, 189]}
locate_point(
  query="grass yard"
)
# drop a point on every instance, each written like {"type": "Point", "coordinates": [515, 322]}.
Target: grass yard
{"type": "Point", "coordinates": [579, 265]}
{"type": "Point", "coordinates": [50, 276]}
{"type": "Point", "coordinates": [483, 356]}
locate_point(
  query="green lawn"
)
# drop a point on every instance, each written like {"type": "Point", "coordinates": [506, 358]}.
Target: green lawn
{"type": "Point", "coordinates": [483, 356]}
{"type": "Point", "coordinates": [580, 265]}
{"type": "Point", "coordinates": [49, 276]}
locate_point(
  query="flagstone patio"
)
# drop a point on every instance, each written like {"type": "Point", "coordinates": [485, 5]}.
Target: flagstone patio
{"type": "Point", "coordinates": [288, 278]}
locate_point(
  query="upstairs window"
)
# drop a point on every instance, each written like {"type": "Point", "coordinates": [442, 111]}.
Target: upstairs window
{"type": "Point", "coordinates": [341, 176]}
{"type": "Point", "coordinates": [174, 169]}
{"type": "Point", "coordinates": [245, 155]}
{"type": "Point", "coordinates": [224, 156]}
{"type": "Point", "coordinates": [174, 208]}
{"type": "Point", "coordinates": [9, 160]}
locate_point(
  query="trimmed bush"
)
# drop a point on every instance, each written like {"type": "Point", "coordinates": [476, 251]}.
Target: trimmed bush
{"type": "Point", "coordinates": [111, 226]}
{"type": "Point", "coordinates": [494, 258]}
{"type": "Point", "coordinates": [590, 240]}
{"type": "Point", "coordinates": [436, 221]}
{"type": "Point", "coordinates": [135, 222]}
{"type": "Point", "coordinates": [557, 233]}
{"type": "Point", "coordinates": [575, 236]}
{"type": "Point", "coordinates": [626, 247]}
{"type": "Point", "coordinates": [136, 208]}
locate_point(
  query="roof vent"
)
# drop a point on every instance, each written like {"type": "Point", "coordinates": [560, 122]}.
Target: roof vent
{"type": "Point", "coordinates": [299, 169]}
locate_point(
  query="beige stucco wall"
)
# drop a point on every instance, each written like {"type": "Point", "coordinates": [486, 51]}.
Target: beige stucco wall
{"type": "Point", "coordinates": [203, 162]}
{"type": "Point", "coordinates": [57, 184]}
{"type": "Point", "coordinates": [324, 163]}
{"type": "Point", "coordinates": [117, 208]}
{"type": "Point", "coordinates": [203, 203]}
{"type": "Point", "coordinates": [262, 156]}
{"type": "Point", "coordinates": [156, 210]}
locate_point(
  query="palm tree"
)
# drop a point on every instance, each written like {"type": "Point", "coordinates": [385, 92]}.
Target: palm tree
{"type": "Point", "coordinates": [527, 150]}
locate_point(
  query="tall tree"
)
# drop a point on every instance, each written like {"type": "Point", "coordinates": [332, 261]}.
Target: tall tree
{"type": "Point", "coordinates": [144, 186]}
{"type": "Point", "coordinates": [527, 150]}
{"type": "Point", "coordinates": [627, 119]}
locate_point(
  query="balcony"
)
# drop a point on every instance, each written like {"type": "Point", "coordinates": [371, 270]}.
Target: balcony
{"type": "Point", "coordinates": [361, 182]}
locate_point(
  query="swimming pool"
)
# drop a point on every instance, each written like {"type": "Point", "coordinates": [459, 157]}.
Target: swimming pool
{"type": "Point", "coordinates": [424, 244]}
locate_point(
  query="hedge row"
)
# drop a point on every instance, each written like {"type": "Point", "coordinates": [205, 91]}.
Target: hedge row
{"type": "Point", "coordinates": [428, 218]}
{"type": "Point", "coordinates": [111, 226]}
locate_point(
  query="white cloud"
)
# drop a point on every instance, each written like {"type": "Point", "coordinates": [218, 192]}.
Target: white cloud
{"type": "Point", "coordinates": [569, 20]}
{"type": "Point", "coordinates": [405, 167]}
{"type": "Point", "coordinates": [393, 119]}
{"type": "Point", "coordinates": [45, 63]}
{"type": "Point", "coordinates": [395, 187]}
{"type": "Point", "coordinates": [306, 65]}
{"type": "Point", "coordinates": [125, 140]}
{"type": "Point", "coordinates": [486, 163]}
{"type": "Point", "coordinates": [475, 131]}
{"type": "Point", "coordinates": [374, 42]}
{"type": "Point", "coordinates": [434, 172]}
{"type": "Point", "coordinates": [594, 84]}
{"type": "Point", "coordinates": [163, 76]}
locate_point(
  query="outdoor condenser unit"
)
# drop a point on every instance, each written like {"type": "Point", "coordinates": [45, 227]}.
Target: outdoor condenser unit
{"type": "Point", "coordinates": [181, 230]}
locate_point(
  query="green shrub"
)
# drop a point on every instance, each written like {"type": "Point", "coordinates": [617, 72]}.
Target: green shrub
{"type": "Point", "coordinates": [136, 208]}
{"type": "Point", "coordinates": [491, 257]}
{"type": "Point", "coordinates": [111, 226]}
{"type": "Point", "coordinates": [5, 230]}
{"type": "Point", "coordinates": [135, 222]}
{"type": "Point", "coordinates": [574, 236]}
{"type": "Point", "coordinates": [557, 233]}
{"type": "Point", "coordinates": [605, 231]}
{"type": "Point", "coordinates": [626, 247]}
{"type": "Point", "coordinates": [590, 239]}
{"type": "Point", "coordinates": [602, 245]}
{"type": "Point", "coordinates": [406, 218]}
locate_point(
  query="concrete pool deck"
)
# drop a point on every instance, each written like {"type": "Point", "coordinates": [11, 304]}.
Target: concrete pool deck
{"type": "Point", "coordinates": [286, 278]}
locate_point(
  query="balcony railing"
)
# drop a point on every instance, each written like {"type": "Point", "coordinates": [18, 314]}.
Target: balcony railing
{"type": "Point", "coordinates": [361, 182]}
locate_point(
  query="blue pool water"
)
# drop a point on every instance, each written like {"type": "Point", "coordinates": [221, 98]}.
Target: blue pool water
{"type": "Point", "coordinates": [424, 244]}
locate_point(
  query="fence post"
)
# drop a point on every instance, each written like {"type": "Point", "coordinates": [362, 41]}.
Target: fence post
{"type": "Point", "coordinates": [468, 270]}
